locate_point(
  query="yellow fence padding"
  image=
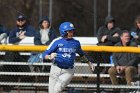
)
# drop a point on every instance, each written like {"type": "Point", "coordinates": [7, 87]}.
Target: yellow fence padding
{"type": "Point", "coordinates": [111, 49]}
{"type": "Point", "coordinates": [85, 48]}
{"type": "Point", "coordinates": [22, 48]}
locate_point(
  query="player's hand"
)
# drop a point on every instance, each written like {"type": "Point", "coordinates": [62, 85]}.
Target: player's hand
{"type": "Point", "coordinates": [53, 55]}
{"type": "Point", "coordinates": [92, 67]}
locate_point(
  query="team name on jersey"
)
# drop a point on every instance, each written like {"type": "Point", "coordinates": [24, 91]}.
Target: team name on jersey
{"type": "Point", "coordinates": [70, 50]}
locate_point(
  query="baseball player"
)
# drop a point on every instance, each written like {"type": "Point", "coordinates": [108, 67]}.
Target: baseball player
{"type": "Point", "coordinates": [62, 51]}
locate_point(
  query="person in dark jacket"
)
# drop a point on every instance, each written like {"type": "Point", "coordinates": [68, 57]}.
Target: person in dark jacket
{"type": "Point", "coordinates": [108, 34]}
{"type": "Point", "coordinates": [135, 32]}
{"type": "Point", "coordinates": [46, 34]}
{"type": "Point", "coordinates": [124, 63]}
{"type": "Point", "coordinates": [22, 30]}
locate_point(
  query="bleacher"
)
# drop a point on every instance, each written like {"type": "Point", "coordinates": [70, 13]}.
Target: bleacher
{"type": "Point", "coordinates": [83, 77]}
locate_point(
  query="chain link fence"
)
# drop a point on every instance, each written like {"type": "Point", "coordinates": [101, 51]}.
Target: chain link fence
{"type": "Point", "coordinates": [19, 76]}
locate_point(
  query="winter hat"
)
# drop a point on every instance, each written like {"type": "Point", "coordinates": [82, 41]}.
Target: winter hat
{"type": "Point", "coordinates": [45, 18]}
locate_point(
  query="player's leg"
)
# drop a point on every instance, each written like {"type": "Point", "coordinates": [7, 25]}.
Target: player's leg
{"type": "Point", "coordinates": [64, 80]}
{"type": "Point", "coordinates": [53, 78]}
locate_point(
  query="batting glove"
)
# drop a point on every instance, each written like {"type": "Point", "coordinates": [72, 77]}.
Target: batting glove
{"type": "Point", "coordinates": [92, 67]}
{"type": "Point", "coordinates": [52, 56]}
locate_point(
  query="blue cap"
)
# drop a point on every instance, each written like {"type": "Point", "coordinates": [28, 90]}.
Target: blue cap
{"type": "Point", "coordinates": [21, 17]}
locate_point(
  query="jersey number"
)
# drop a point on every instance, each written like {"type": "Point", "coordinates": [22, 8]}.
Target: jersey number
{"type": "Point", "coordinates": [66, 55]}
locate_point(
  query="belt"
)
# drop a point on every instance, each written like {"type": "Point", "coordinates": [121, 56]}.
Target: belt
{"type": "Point", "coordinates": [62, 67]}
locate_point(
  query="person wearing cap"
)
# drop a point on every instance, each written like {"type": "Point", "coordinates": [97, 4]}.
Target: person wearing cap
{"type": "Point", "coordinates": [46, 34]}
{"type": "Point", "coordinates": [16, 35]}
{"type": "Point", "coordinates": [22, 30]}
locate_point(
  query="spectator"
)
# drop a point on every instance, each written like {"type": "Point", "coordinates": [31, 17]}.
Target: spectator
{"type": "Point", "coordinates": [42, 37]}
{"type": "Point", "coordinates": [3, 34]}
{"type": "Point", "coordinates": [46, 34]}
{"type": "Point", "coordinates": [21, 31]}
{"type": "Point", "coordinates": [124, 63]}
{"type": "Point", "coordinates": [135, 32]}
{"type": "Point", "coordinates": [107, 35]}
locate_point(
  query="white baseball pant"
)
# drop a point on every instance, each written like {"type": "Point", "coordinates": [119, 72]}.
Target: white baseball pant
{"type": "Point", "coordinates": [59, 78]}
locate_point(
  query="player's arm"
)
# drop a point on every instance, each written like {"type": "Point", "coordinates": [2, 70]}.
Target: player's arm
{"type": "Point", "coordinates": [50, 52]}
{"type": "Point", "coordinates": [51, 56]}
{"type": "Point", "coordinates": [84, 58]}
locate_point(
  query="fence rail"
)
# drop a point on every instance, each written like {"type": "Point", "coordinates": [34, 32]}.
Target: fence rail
{"type": "Point", "coordinates": [72, 85]}
{"type": "Point", "coordinates": [88, 80]}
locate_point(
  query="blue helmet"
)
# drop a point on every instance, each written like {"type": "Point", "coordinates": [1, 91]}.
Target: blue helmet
{"type": "Point", "coordinates": [64, 27]}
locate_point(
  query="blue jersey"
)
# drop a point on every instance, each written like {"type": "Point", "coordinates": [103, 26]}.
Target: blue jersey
{"type": "Point", "coordinates": [66, 50]}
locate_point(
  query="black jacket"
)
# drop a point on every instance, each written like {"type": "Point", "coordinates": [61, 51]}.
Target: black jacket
{"type": "Point", "coordinates": [103, 30]}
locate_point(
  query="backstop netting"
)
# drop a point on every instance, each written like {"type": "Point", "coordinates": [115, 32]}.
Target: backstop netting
{"type": "Point", "coordinates": [17, 75]}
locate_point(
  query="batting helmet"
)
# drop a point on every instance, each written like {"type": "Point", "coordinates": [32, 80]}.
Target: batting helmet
{"type": "Point", "coordinates": [64, 27]}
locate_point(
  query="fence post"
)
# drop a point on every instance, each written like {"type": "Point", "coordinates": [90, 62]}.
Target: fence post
{"type": "Point", "coordinates": [98, 77]}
